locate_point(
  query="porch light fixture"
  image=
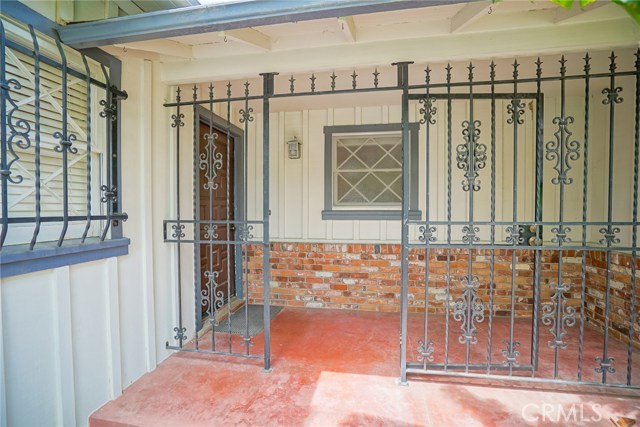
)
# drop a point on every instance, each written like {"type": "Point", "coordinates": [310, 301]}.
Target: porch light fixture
{"type": "Point", "coordinates": [293, 148]}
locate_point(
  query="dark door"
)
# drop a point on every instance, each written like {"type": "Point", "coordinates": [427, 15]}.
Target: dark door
{"type": "Point", "coordinates": [215, 161]}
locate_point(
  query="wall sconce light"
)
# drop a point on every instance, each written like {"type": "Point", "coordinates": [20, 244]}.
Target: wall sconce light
{"type": "Point", "coordinates": [293, 148]}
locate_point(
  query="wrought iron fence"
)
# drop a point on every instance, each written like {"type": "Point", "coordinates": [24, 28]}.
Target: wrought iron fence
{"type": "Point", "coordinates": [520, 242]}
{"type": "Point", "coordinates": [51, 175]}
{"type": "Point", "coordinates": [566, 250]}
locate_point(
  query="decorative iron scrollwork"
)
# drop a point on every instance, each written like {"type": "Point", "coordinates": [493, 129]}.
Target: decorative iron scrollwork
{"type": "Point", "coordinates": [425, 351]}
{"type": "Point", "coordinates": [178, 231]}
{"type": "Point", "coordinates": [471, 156]}
{"type": "Point", "coordinates": [514, 235]}
{"type": "Point", "coordinates": [609, 235]}
{"type": "Point", "coordinates": [210, 231]}
{"type": "Point", "coordinates": [18, 131]}
{"type": "Point", "coordinates": [469, 310]}
{"type": "Point", "coordinates": [213, 286]}
{"type": "Point", "coordinates": [561, 234]}
{"type": "Point", "coordinates": [245, 115]}
{"type": "Point", "coordinates": [558, 315]}
{"type": "Point", "coordinates": [427, 234]}
{"type": "Point", "coordinates": [109, 111]}
{"type": "Point", "coordinates": [210, 162]}
{"type": "Point", "coordinates": [516, 111]}
{"type": "Point", "coordinates": [65, 143]}
{"type": "Point", "coordinates": [110, 194]}
{"type": "Point", "coordinates": [177, 120]}
{"type": "Point", "coordinates": [563, 151]}
{"type": "Point", "coordinates": [606, 365]}
{"type": "Point", "coordinates": [245, 232]}
{"type": "Point", "coordinates": [511, 353]}
{"type": "Point", "coordinates": [428, 111]}
{"type": "Point", "coordinates": [470, 234]}
{"type": "Point", "coordinates": [612, 96]}
{"type": "Point", "coordinates": [180, 333]}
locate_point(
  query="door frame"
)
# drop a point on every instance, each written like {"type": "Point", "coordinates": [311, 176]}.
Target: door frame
{"type": "Point", "coordinates": [236, 134]}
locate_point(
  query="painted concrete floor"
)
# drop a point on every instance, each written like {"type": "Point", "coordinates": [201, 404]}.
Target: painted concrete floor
{"type": "Point", "coordinates": [339, 368]}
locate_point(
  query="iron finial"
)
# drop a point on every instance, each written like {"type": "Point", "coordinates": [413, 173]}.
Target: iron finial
{"type": "Point", "coordinates": [375, 77]}
{"type": "Point", "coordinates": [563, 68]}
{"type": "Point", "coordinates": [313, 82]}
{"type": "Point", "coordinates": [229, 89]}
{"type": "Point", "coordinates": [333, 81]}
{"type": "Point", "coordinates": [246, 88]}
{"type": "Point", "coordinates": [211, 87]}
{"type": "Point", "coordinates": [612, 65]}
{"type": "Point", "coordinates": [427, 75]}
{"type": "Point", "coordinates": [291, 86]}
{"type": "Point", "coordinates": [353, 79]}
{"type": "Point", "coordinates": [492, 73]}
{"type": "Point", "coordinates": [538, 67]}
{"type": "Point", "coordinates": [587, 63]}
{"type": "Point", "coordinates": [448, 68]}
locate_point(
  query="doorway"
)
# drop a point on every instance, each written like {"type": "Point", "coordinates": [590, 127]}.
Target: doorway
{"type": "Point", "coordinates": [218, 204]}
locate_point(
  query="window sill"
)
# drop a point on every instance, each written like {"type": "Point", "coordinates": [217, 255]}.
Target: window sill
{"type": "Point", "coordinates": [16, 260]}
{"type": "Point", "coordinates": [369, 215]}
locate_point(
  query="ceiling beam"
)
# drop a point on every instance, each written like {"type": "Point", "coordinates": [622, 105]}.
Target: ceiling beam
{"type": "Point", "coordinates": [248, 36]}
{"type": "Point", "coordinates": [161, 47]}
{"type": "Point", "coordinates": [470, 13]}
{"type": "Point", "coordinates": [223, 17]}
{"type": "Point", "coordinates": [533, 41]}
{"type": "Point", "coordinates": [563, 15]}
{"type": "Point", "coordinates": [348, 28]}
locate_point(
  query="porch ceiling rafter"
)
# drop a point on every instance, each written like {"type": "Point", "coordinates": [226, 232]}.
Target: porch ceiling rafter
{"type": "Point", "coordinates": [223, 17]}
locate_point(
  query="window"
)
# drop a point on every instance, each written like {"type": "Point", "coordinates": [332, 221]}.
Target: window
{"type": "Point", "coordinates": [59, 199]}
{"type": "Point", "coordinates": [363, 172]}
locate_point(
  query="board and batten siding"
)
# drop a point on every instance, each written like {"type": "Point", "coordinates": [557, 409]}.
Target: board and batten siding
{"type": "Point", "coordinates": [297, 185]}
{"type": "Point", "coordinates": [72, 338]}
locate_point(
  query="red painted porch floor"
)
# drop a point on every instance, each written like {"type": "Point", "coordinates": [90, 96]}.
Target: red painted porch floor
{"type": "Point", "coordinates": [339, 368]}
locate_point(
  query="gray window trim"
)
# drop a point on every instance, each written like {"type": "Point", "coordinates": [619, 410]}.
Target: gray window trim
{"type": "Point", "coordinates": [18, 259]}
{"type": "Point", "coordinates": [369, 214]}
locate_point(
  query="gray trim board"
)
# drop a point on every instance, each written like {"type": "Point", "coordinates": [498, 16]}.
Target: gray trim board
{"type": "Point", "coordinates": [16, 260]}
{"type": "Point", "coordinates": [365, 214]}
{"type": "Point", "coordinates": [221, 17]}
{"type": "Point", "coordinates": [369, 215]}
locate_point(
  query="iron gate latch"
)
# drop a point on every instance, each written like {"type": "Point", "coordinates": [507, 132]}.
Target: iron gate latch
{"type": "Point", "coordinates": [527, 234]}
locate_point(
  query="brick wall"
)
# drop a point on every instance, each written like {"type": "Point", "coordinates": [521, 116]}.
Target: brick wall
{"type": "Point", "coordinates": [619, 295]}
{"type": "Point", "coordinates": [367, 276]}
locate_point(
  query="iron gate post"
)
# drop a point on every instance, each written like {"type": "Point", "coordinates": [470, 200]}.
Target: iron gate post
{"type": "Point", "coordinates": [267, 79]}
{"type": "Point", "coordinates": [403, 83]}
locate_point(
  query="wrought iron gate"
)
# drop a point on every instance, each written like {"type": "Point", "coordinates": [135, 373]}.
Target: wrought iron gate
{"type": "Point", "coordinates": [538, 286]}
{"type": "Point", "coordinates": [225, 231]}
